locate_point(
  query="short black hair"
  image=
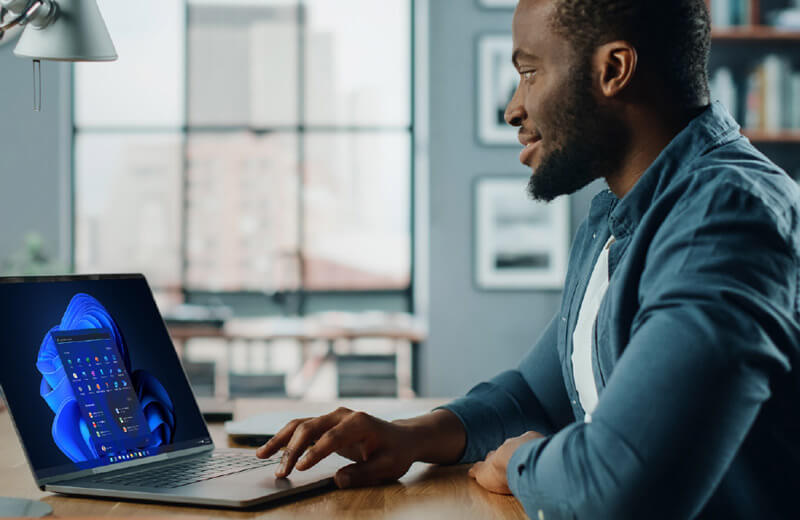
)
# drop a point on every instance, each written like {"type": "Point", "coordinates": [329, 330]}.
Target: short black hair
{"type": "Point", "coordinates": [672, 36]}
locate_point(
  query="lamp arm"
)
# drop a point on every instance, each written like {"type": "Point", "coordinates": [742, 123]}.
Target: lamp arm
{"type": "Point", "coordinates": [23, 18]}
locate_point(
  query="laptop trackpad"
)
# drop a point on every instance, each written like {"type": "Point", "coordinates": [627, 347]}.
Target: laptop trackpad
{"type": "Point", "coordinates": [257, 483]}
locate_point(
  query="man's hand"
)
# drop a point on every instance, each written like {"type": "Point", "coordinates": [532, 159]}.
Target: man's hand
{"type": "Point", "coordinates": [491, 472]}
{"type": "Point", "coordinates": [382, 451]}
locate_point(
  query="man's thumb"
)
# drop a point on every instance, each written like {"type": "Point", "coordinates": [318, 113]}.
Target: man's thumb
{"type": "Point", "coordinates": [375, 471]}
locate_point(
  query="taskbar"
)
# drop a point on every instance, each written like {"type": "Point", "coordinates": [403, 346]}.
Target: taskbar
{"type": "Point", "coordinates": [113, 459]}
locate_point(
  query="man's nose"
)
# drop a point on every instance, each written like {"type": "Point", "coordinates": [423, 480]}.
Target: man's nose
{"type": "Point", "coordinates": [515, 113]}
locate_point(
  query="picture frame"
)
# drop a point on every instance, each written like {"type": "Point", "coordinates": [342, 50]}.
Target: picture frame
{"type": "Point", "coordinates": [520, 244]}
{"type": "Point", "coordinates": [498, 4]}
{"type": "Point", "coordinates": [497, 81]}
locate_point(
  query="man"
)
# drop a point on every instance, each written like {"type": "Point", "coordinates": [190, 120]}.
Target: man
{"type": "Point", "coordinates": [663, 388]}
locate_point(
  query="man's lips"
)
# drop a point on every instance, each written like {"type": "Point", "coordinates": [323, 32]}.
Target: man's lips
{"type": "Point", "coordinates": [531, 143]}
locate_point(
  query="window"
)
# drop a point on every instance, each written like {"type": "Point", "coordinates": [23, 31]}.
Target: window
{"type": "Point", "coordinates": [249, 146]}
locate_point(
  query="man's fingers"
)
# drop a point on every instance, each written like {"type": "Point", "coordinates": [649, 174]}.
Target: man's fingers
{"type": "Point", "coordinates": [376, 471]}
{"type": "Point", "coordinates": [280, 439]}
{"type": "Point", "coordinates": [473, 471]}
{"type": "Point", "coordinates": [346, 433]}
{"type": "Point", "coordinates": [305, 434]}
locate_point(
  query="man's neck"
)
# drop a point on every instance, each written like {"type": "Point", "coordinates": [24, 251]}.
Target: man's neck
{"type": "Point", "coordinates": [651, 132]}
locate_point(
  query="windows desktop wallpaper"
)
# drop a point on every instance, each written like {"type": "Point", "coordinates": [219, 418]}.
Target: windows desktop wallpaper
{"type": "Point", "coordinates": [82, 375]}
{"type": "Point", "coordinates": [90, 374]}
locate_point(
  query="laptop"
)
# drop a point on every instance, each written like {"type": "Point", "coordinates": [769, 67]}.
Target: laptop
{"type": "Point", "coordinates": [103, 407]}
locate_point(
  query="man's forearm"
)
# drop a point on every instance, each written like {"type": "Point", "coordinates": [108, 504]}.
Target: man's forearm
{"type": "Point", "coordinates": [439, 437]}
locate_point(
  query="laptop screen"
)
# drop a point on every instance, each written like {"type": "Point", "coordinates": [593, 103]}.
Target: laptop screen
{"type": "Point", "coordinates": [90, 375]}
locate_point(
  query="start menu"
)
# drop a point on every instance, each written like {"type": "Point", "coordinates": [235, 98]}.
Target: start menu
{"type": "Point", "coordinates": [105, 395]}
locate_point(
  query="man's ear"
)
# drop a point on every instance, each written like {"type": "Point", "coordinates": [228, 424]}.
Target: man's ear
{"type": "Point", "coordinates": [616, 64]}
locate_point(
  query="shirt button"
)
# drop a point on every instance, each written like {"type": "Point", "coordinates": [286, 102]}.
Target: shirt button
{"type": "Point", "coordinates": [573, 401]}
{"type": "Point", "coordinates": [541, 515]}
{"type": "Point", "coordinates": [594, 235]}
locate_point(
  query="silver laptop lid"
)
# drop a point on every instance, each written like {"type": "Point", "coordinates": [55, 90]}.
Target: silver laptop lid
{"type": "Point", "coordinates": [91, 377]}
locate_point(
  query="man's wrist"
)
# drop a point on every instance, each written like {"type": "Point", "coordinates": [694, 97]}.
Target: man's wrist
{"type": "Point", "coordinates": [437, 437]}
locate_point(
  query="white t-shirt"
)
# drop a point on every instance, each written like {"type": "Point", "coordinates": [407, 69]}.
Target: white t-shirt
{"type": "Point", "coordinates": [582, 336]}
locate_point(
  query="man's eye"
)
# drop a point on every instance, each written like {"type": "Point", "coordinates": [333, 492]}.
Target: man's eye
{"type": "Point", "coordinates": [528, 74]}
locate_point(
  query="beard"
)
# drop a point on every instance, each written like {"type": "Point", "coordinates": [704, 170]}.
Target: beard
{"type": "Point", "coordinates": [592, 145]}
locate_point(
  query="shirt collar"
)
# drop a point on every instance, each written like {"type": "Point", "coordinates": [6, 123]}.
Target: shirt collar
{"type": "Point", "coordinates": [712, 127]}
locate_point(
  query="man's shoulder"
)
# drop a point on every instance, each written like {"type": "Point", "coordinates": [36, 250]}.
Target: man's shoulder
{"type": "Point", "coordinates": [734, 174]}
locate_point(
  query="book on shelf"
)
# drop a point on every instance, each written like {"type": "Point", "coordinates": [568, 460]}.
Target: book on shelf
{"type": "Point", "coordinates": [772, 99]}
{"type": "Point", "coordinates": [787, 19]}
{"type": "Point", "coordinates": [723, 88]}
{"type": "Point", "coordinates": [731, 13]}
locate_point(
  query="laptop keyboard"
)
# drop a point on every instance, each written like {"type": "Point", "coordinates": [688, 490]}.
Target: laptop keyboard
{"type": "Point", "coordinates": [182, 473]}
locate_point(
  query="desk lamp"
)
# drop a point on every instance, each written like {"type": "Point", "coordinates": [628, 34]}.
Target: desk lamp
{"type": "Point", "coordinates": [57, 30]}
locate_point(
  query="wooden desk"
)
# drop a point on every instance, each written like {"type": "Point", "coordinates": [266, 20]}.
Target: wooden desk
{"type": "Point", "coordinates": [426, 491]}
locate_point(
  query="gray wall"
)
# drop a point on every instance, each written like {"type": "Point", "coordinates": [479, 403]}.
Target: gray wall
{"type": "Point", "coordinates": [35, 156]}
{"type": "Point", "coordinates": [472, 334]}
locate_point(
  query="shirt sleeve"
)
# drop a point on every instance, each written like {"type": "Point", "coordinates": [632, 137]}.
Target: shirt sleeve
{"type": "Point", "coordinates": [532, 397]}
{"type": "Point", "coordinates": [717, 304]}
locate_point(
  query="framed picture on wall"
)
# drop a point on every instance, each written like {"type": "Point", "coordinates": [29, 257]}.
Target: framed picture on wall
{"type": "Point", "coordinates": [507, 4]}
{"type": "Point", "coordinates": [497, 81]}
{"type": "Point", "coordinates": [519, 243]}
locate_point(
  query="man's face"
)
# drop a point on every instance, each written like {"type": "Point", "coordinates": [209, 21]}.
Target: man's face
{"type": "Point", "coordinates": [569, 138]}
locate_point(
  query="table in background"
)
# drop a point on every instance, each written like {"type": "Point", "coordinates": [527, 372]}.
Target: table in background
{"type": "Point", "coordinates": [400, 329]}
{"type": "Point", "coordinates": [426, 491]}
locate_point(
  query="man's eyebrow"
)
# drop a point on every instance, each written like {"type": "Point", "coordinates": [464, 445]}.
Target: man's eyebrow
{"type": "Point", "coordinates": [519, 53]}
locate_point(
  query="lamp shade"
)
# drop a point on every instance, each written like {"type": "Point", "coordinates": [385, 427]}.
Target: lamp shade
{"type": "Point", "coordinates": [78, 33]}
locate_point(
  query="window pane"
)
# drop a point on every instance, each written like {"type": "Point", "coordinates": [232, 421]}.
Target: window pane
{"type": "Point", "coordinates": [145, 87]}
{"type": "Point", "coordinates": [243, 63]}
{"type": "Point", "coordinates": [242, 212]}
{"type": "Point", "coordinates": [128, 205]}
{"type": "Point", "coordinates": [357, 230]}
{"type": "Point", "coordinates": [358, 62]}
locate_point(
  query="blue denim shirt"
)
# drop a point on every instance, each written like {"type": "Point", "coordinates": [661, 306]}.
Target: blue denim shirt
{"type": "Point", "coordinates": [695, 351]}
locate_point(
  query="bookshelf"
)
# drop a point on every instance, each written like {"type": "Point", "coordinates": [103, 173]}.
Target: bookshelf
{"type": "Point", "coordinates": [762, 33]}
{"type": "Point", "coordinates": [762, 74]}
{"type": "Point", "coordinates": [765, 137]}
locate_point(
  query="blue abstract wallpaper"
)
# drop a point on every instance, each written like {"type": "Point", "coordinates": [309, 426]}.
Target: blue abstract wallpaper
{"type": "Point", "coordinates": [70, 430]}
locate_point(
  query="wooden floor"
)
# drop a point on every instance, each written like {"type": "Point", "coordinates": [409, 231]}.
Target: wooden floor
{"type": "Point", "coordinates": [426, 492]}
